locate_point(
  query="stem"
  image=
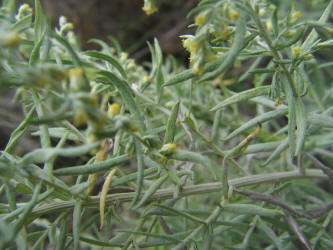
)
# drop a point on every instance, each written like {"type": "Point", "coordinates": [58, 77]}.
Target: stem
{"type": "Point", "coordinates": [168, 193]}
{"type": "Point", "coordinates": [276, 55]}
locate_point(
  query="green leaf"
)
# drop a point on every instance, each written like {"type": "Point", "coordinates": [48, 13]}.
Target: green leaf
{"type": "Point", "coordinates": [233, 52]}
{"type": "Point", "coordinates": [270, 234]}
{"type": "Point", "coordinates": [182, 155]}
{"type": "Point", "coordinates": [301, 123]}
{"type": "Point", "coordinates": [93, 168]}
{"type": "Point", "coordinates": [320, 120]}
{"type": "Point", "coordinates": [242, 96]}
{"type": "Point", "coordinates": [40, 24]}
{"type": "Point", "coordinates": [58, 132]}
{"type": "Point", "coordinates": [258, 119]}
{"type": "Point", "coordinates": [76, 224]}
{"type": "Point", "coordinates": [312, 37]}
{"type": "Point", "coordinates": [76, 60]}
{"type": "Point", "coordinates": [181, 214]}
{"type": "Point", "coordinates": [140, 176]}
{"type": "Point", "coordinates": [126, 93]}
{"type": "Point", "coordinates": [179, 77]}
{"type": "Point", "coordinates": [250, 209]}
{"type": "Point", "coordinates": [43, 154]}
{"type": "Point", "coordinates": [151, 190]}
{"type": "Point", "coordinates": [110, 60]}
{"type": "Point", "coordinates": [278, 150]}
{"type": "Point", "coordinates": [171, 124]}
{"type": "Point", "coordinates": [34, 57]}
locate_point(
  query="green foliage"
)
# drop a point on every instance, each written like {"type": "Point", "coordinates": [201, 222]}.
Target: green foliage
{"type": "Point", "coordinates": [232, 153]}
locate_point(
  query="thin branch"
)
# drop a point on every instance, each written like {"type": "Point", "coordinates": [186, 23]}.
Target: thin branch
{"type": "Point", "coordinates": [328, 171]}
{"type": "Point", "coordinates": [295, 227]}
{"type": "Point", "coordinates": [272, 200]}
{"type": "Point", "coordinates": [168, 193]}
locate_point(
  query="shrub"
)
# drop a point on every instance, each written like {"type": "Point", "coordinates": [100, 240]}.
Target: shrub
{"type": "Point", "coordinates": [231, 153]}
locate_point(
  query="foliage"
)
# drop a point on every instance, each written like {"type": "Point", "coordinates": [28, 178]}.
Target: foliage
{"type": "Point", "coordinates": [231, 153]}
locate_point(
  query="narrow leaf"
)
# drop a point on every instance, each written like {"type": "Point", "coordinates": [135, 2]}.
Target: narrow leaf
{"type": "Point", "coordinates": [103, 195]}
{"type": "Point", "coordinates": [245, 95]}
{"type": "Point", "coordinates": [181, 213]}
{"type": "Point", "coordinates": [151, 190]}
{"type": "Point", "coordinates": [171, 125]}
{"type": "Point", "coordinates": [250, 210]}
{"type": "Point", "coordinates": [233, 52]}
{"type": "Point", "coordinates": [76, 224]}
{"type": "Point", "coordinates": [259, 119]}
{"type": "Point", "coordinates": [126, 93]}
{"type": "Point", "coordinates": [278, 150]}
{"type": "Point", "coordinates": [182, 155]}
{"type": "Point", "coordinates": [93, 168]}
{"type": "Point", "coordinates": [140, 176]}
{"type": "Point", "coordinates": [301, 124]}
{"type": "Point", "coordinates": [270, 234]}
{"type": "Point", "coordinates": [109, 59]}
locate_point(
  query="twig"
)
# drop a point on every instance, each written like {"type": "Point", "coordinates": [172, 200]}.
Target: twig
{"type": "Point", "coordinates": [270, 199]}
{"type": "Point", "coordinates": [294, 226]}
{"type": "Point", "coordinates": [328, 171]}
{"type": "Point", "coordinates": [168, 193]}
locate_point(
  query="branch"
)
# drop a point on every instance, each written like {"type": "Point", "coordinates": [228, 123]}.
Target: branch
{"type": "Point", "coordinates": [168, 193]}
{"type": "Point", "coordinates": [272, 200]}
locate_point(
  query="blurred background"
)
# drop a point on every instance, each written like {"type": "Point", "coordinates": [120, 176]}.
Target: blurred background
{"type": "Point", "coordinates": [124, 20]}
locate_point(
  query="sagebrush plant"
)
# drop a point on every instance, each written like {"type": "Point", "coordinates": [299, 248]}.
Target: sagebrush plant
{"type": "Point", "coordinates": [232, 153]}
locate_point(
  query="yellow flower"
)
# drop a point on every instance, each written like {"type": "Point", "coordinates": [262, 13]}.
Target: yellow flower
{"type": "Point", "coordinates": [10, 40]}
{"type": "Point", "coordinates": [201, 19]}
{"type": "Point", "coordinates": [191, 45]}
{"type": "Point", "coordinates": [197, 69]}
{"type": "Point", "coordinates": [269, 25]}
{"type": "Point", "coordinates": [114, 109]}
{"type": "Point", "coordinates": [24, 10]}
{"type": "Point", "coordinates": [297, 51]}
{"type": "Point", "coordinates": [80, 118]}
{"type": "Point", "coordinates": [308, 57]}
{"type": "Point", "coordinates": [123, 56]}
{"type": "Point", "coordinates": [262, 11]}
{"type": "Point", "coordinates": [234, 15]}
{"type": "Point", "coordinates": [295, 16]}
{"type": "Point", "coordinates": [76, 79]}
{"type": "Point", "coordinates": [131, 65]}
{"type": "Point", "coordinates": [211, 58]}
{"type": "Point", "coordinates": [168, 148]}
{"type": "Point", "coordinates": [149, 7]}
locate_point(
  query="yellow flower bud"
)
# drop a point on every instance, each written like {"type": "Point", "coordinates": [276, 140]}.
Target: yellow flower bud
{"type": "Point", "coordinates": [76, 79]}
{"type": "Point", "coordinates": [146, 79]}
{"type": "Point", "coordinates": [24, 10]}
{"type": "Point", "coordinates": [80, 118]}
{"type": "Point", "coordinates": [10, 40]}
{"type": "Point", "coordinates": [211, 58]}
{"type": "Point", "coordinates": [229, 82]}
{"type": "Point", "coordinates": [262, 11]}
{"type": "Point", "coordinates": [269, 25]}
{"type": "Point", "coordinates": [191, 45]}
{"type": "Point", "coordinates": [168, 149]}
{"type": "Point", "coordinates": [308, 57]}
{"type": "Point", "coordinates": [295, 16]}
{"type": "Point", "coordinates": [114, 109]}
{"type": "Point", "coordinates": [297, 51]}
{"type": "Point", "coordinates": [131, 65]}
{"type": "Point", "coordinates": [123, 56]}
{"type": "Point", "coordinates": [201, 19]}
{"type": "Point", "coordinates": [234, 15]}
{"type": "Point", "coordinates": [149, 7]}
{"type": "Point", "coordinates": [197, 69]}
